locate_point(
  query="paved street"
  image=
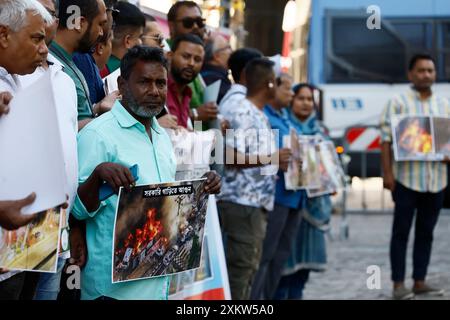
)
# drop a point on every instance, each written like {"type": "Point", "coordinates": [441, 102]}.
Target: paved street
{"type": "Point", "coordinates": [367, 245]}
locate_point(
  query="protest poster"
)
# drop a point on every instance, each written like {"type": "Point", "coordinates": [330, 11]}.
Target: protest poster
{"type": "Point", "coordinates": [413, 139]}
{"type": "Point", "coordinates": [110, 82]}
{"type": "Point", "coordinates": [192, 151]}
{"type": "Point", "coordinates": [211, 92]}
{"type": "Point", "coordinates": [31, 151]}
{"type": "Point", "coordinates": [303, 171]}
{"type": "Point", "coordinates": [441, 128]}
{"type": "Point", "coordinates": [158, 229]}
{"type": "Point", "coordinates": [331, 174]}
{"type": "Point", "coordinates": [34, 247]}
{"type": "Point", "coordinates": [293, 176]}
{"type": "Point", "coordinates": [210, 280]}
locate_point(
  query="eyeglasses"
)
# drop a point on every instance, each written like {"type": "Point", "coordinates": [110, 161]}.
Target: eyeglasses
{"type": "Point", "coordinates": [159, 38]}
{"type": "Point", "coordinates": [188, 22]}
{"type": "Point", "coordinates": [223, 49]}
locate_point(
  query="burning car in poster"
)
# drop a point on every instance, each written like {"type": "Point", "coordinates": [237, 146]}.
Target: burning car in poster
{"type": "Point", "coordinates": [158, 230]}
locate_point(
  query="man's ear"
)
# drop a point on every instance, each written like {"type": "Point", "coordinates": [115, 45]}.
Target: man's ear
{"type": "Point", "coordinates": [83, 25]}
{"type": "Point", "coordinates": [410, 76]}
{"type": "Point", "coordinates": [99, 49]}
{"type": "Point", "coordinates": [127, 41]}
{"type": "Point", "coordinates": [5, 36]}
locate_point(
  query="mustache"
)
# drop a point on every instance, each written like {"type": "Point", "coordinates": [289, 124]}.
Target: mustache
{"type": "Point", "coordinates": [188, 69]}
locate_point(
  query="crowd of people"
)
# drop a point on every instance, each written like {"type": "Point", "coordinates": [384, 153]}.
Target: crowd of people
{"type": "Point", "coordinates": [273, 237]}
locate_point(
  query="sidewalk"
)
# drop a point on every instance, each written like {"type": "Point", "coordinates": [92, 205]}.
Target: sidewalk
{"type": "Point", "coordinates": [367, 245]}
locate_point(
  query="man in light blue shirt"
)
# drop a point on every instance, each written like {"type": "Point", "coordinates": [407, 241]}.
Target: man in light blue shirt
{"type": "Point", "coordinates": [129, 134]}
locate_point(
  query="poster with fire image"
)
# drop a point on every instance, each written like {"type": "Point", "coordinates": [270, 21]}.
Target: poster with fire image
{"type": "Point", "coordinates": [159, 230]}
{"type": "Point", "coordinates": [34, 247]}
{"type": "Point", "coordinates": [413, 138]}
{"type": "Point", "coordinates": [210, 280]}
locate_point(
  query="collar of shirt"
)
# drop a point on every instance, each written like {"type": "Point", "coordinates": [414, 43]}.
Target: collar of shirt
{"type": "Point", "coordinates": [238, 88]}
{"type": "Point", "coordinates": [209, 68]}
{"type": "Point", "coordinates": [126, 120]}
{"type": "Point", "coordinates": [172, 86]}
{"type": "Point", "coordinates": [176, 107]}
{"type": "Point", "coordinates": [416, 94]}
{"type": "Point", "coordinates": [275, 113]}
{"type": "Point", "coordinates": [8, 82]}
{"type": "Point", "coordinates": [54, 46]}
{"type": "Point", "coordinates": [113, 63]}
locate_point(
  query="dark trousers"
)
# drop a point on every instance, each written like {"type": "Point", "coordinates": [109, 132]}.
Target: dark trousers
{"type": "Point", "coordinates": [21, 286]}
{"type": "Point", "coordinates": [291, 286]}
{"type": "Point", "coordinates": [244, 229]}
{"type": "Point", "coordinates": [428, 206]}
{"type": "Point", "coordinates": [282, 225]}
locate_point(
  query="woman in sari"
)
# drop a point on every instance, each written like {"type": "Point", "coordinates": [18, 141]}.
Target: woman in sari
{"type": "Point", "coordinates": [308, 252]}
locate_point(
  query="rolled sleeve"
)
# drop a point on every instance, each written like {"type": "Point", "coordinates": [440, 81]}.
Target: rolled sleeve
{"type": "Point", "coordinates": [80, 212]}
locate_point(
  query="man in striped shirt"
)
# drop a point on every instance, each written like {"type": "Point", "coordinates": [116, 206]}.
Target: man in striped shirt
{"type": "Point", "coordinates": [415, 185]}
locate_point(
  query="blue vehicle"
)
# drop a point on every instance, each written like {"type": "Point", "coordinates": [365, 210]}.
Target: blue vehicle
{"type": "Point", "coordinates": [358, 67]}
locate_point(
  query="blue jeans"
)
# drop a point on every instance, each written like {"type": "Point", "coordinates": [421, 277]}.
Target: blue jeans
{"type": "Point", "coordinates": [291, 287]}
{"type": "Point", "coordinates": [50, 283]}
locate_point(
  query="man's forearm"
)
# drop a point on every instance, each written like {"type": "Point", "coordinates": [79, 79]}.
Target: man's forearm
{"type": "Point", "coordinates": [88, 192]}
{"type": "Point", "coordinates": [386, 157]}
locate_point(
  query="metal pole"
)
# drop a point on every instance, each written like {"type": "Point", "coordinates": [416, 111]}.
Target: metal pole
{"type": "Point", "coordinates": [364, 176]}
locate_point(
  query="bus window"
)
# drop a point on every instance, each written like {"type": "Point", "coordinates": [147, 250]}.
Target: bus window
{"type": "Point", "coordinates": [446, 49]}
{"type": "Point", "coordinates": [416, 34]}
{"type": "Point", "coordinates": [359, 54]}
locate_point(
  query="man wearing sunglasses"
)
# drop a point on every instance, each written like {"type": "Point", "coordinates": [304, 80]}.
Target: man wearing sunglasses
{"type": "Point", "coordinates": [153, 36]}
{"type": "Point", "coordinates": [186, 17]}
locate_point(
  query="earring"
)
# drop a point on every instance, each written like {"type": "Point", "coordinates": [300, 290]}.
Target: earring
{"type": "Point", "coordinates": [270, 85]}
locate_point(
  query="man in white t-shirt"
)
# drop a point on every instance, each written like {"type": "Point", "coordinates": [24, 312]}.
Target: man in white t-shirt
{"type": "Point", "coordinates": [22, 50]}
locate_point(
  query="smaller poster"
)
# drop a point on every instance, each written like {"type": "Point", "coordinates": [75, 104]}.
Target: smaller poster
{"type": "Point", "coordinates": [110, 82]}
{"type": "Point", "coordinates": [210, 280]}
{"type": "Point", "coordinates": [159, 229]}
{"type": "Point", "coordinates": [413, 138]}
{"type": "Point", "coordinates": [293, 176]}
{"type": "Point", "coordinates": [33, 247]}
{"type": "Point", "coordinates": [303, 171]}
{"type": "Point", "coordinates": [193, 152]}
{"type": "Point", "coordinates": [441, 127]}
{"type": "Point", "coordinates": [332, 175]}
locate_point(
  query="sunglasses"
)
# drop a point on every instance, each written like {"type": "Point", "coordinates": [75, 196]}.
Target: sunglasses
{"type": "Point", "coordinates": [189, 22]}
{"type": "Point", "coordinates": [159, 38]}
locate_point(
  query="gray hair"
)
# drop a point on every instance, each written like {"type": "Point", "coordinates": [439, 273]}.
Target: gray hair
{"type": "Point", "coordinates": [13, 13]}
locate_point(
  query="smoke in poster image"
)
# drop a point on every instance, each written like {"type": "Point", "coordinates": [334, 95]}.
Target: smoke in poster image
{"type": "Point", "coordinates": [159, 230]}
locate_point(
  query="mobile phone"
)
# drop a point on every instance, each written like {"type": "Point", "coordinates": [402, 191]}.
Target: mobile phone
{"type": "Point", "coordinates": [107, 191]}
